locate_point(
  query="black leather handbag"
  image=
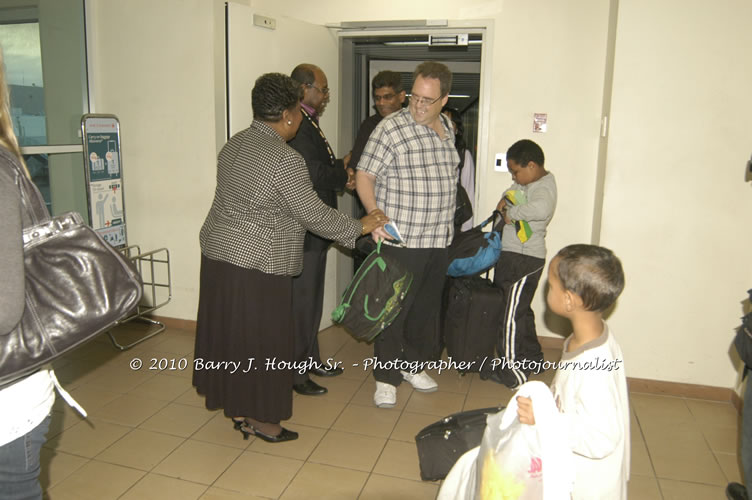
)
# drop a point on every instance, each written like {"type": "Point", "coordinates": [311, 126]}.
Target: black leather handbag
{"type": "Point", "coordinates": [442, 443]}
{"type": "Point", "coordinates": [77, 286]}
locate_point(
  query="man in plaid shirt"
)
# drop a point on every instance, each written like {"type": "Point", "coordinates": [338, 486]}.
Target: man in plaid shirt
{"type": "Point", "coordinates": [408, 169]}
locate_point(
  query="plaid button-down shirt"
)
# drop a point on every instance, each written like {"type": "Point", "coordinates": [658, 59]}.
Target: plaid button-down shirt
{"type": "Point", "coordinates": [416, 178]}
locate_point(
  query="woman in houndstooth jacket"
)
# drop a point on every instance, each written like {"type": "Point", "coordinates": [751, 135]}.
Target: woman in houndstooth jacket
{"type": "Point", "coordinates": [252, 246]}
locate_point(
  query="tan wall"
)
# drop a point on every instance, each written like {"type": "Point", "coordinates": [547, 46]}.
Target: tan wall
{"type": "Point", "coordinates": [155, 68]}
{"type": "Point", "coordinates": [676, 207]}
{"type": "Point", "coordinates": [547, 57]}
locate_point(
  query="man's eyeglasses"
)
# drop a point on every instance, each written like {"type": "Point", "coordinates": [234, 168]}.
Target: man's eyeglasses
{"type": "Point", "coordinates": [385, 97]}
{"type": "Point", "coordinates": [423, 101]}
{"type": "Point", "coordinates": [324, 91]}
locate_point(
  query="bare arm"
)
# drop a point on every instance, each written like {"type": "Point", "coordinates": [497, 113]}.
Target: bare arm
{"type": "Point", "coordinates": [364, 184]}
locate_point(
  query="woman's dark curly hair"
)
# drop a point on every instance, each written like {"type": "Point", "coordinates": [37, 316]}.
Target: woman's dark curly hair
{"type": "Point", "coordinates": [272, 94]}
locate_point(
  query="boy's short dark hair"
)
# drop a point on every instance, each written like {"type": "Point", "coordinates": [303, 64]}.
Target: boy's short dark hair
{"type": "Point", "coordinates": [592, 272]}
{"type": "Point", "coordinates": [524, 151]}
{"type": "Point", "coordinates": [433, 69]}
{"type": "Point", "coordinates": [387, 78]}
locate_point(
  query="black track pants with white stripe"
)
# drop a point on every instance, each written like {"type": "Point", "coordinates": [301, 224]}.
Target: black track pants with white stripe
{"type": "Point", "coordinates": [518, 275]}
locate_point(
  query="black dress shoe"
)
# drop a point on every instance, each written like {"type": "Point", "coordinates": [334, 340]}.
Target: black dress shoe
{"type": "Point", "coordinates": [326, 372]}
{"type": "Point", "coordinates": [736, 491]}
{"type": "Point", "coordinates": [309, 388]}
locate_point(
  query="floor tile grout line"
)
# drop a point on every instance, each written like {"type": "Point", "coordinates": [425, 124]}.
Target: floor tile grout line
{"type": "Point", "coordinates": [109, 420]}
{"type": "Point", "coordinates": [323, 437]}
{"type": "Point", "coordinates": [710, 447]}
{"type": "Point", "coordinates": [242, 451]}
{"type": "Point", "coordinates": [386, 443]}
{"type": "Point", "coordinates": [647, 449]}
{"type": "Point", "coordinates": [645, 442]}
{"type": "Point", "coordinates": [304, 462]}
{"type": "Point", "coordinates": [696, 425]}
{"type": "Point", "coordinates": [346, 344]}
{"type": "Point", "coordinates": [51, 486]}
{"type": "Point", "coordinates": [130, 427]}
{"type": "Point", "coordinates": [206, 488]}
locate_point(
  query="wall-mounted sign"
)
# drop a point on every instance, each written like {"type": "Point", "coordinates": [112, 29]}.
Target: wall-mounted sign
{"type": "Point", "coordinates": [540, 122]}
{"type": "Point", "coordinates": [104, 177]}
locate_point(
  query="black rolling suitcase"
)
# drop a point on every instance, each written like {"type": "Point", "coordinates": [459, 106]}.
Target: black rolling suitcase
{"type": "Point", "coordinates": [442, 443]}
{"type": "Point", "coordinates": [473, 311]}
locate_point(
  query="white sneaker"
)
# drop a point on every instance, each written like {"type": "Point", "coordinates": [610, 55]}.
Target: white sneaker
{"type": "Point", "coordinates": [421, 382]}
{"type": "Point", "coordinates": [385, 395]}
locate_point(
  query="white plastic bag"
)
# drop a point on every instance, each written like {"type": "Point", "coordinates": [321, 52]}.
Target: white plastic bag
{"type": "Point", "coordinates": [517, 461]}
{"type": "Point", "coordinates": [460, 482]}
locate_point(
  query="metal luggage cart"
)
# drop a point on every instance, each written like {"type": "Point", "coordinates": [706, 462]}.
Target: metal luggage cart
{"type": "Point", "coordinates": [154, 269]}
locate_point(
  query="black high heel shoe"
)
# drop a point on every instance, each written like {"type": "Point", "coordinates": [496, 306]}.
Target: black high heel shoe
{"type": "Point", "coordinates": [248, 430]}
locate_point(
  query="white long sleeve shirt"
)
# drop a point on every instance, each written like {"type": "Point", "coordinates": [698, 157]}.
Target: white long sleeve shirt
{"type": "Point", "coordinates": [591, 394]}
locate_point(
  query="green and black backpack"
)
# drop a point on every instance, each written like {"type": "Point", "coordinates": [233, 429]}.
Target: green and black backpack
{"type": "Point", "coordinates": [374, 297]}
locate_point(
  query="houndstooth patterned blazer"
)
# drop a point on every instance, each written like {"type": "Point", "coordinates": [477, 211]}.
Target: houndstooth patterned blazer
{"type": "Point", "coordinates": [264, 203]}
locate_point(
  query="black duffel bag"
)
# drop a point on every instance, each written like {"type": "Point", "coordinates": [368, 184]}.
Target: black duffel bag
{"type": "Point", "coordinates": [442, 443]}
{"type": "Point", "coordinates": [474, 251]}
{"type": "Point", "coordinates": [374, 297]}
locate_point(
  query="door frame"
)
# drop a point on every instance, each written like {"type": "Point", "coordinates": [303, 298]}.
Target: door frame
{"type": "Point", "coordinates": [484, 27]}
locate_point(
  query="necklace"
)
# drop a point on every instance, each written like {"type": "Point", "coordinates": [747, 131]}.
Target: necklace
{"type": "Point", "coordinates": [332, 158]}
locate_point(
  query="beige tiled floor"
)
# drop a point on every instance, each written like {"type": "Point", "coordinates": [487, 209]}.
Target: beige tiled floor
{"type": "Point", "coordinates": [149, 436]}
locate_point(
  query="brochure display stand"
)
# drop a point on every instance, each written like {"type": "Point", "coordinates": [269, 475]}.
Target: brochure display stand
{"type": "Point", "coordinates": [104, 190]}
{"type": "Point", "coordinates": [104, 177]}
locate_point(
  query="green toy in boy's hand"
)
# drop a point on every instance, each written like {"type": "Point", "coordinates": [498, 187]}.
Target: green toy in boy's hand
{"type": "Point", "coordinates": [517, 197]}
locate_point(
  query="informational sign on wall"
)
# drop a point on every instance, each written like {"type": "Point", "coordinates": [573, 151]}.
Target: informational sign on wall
{"type": "Point", "coordinates": [540, 122]}
{"type": "Point", "coordinates": [104, 177]}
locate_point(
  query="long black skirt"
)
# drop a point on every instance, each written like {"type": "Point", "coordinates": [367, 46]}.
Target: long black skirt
{"type": "Point", "coordinates": [244, 325]}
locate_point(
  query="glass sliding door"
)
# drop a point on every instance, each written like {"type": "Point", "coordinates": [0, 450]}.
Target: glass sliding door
{"type": "Point", "coordinates": [44, 50]}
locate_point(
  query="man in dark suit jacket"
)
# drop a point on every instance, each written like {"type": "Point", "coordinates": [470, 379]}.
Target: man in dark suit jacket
{"type": "Point", "coordinates": [329, 175]}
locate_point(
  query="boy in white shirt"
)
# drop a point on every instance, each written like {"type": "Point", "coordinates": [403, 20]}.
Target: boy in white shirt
{"type": "Point", "coordinates": [590, 387]}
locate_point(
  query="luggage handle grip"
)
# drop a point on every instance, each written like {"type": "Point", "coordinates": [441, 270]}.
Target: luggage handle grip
{"type": "Point", "coordinates": [491, 218]}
